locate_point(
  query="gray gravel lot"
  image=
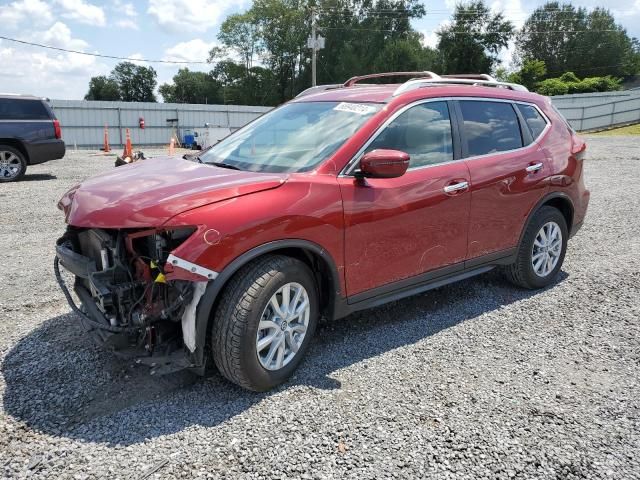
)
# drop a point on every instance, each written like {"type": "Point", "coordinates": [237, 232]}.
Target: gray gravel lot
{"type": "Point", "coordinates": [473, 380]}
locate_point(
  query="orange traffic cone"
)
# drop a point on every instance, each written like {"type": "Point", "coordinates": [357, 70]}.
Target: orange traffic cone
{"type": "Point", "coordinates": [128, 149]}
{"type": "Point", "coordinates": [105, 147]}
{"type": "Point", "coordinates": [172, 146]}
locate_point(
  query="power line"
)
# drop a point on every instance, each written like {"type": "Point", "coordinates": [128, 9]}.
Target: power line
{"type": "Point", "coordinates": [114, 57]}
{"type": "Point", "coordinates": [467, 32]}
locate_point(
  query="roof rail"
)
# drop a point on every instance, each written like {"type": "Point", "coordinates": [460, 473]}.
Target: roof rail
{"type": "Point", "coordinates": [353, 80]}
{"type": "Point", "coordinates": [471, 76]}
{"type": "Point", "coordinates": [318, 89]}
{"type": "Point", "coordinates": [455, 80]}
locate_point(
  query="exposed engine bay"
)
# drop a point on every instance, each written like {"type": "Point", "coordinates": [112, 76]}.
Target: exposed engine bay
{"type": "Point", "coordinates": [132, 298]}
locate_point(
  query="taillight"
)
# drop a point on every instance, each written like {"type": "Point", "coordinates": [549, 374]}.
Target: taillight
{"type": "Point", "coordinates": [57, 129]}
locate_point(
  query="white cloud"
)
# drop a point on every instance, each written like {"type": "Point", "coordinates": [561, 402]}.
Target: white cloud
{"type": "Point", "coordinates": [127, 23]}
{"type": "Point", "coordinates": [513, 10]}
{"type": "Point", "coordinates": [126, 14]}
{"type": "Point", "coordinates": [59, 35]}
{"type": "Point", "coordinates": [431, 36]}
{"type": "Point", "coordinates": [137, 59]}
{"type": "Point", "coordinates": [451, 4]}
{"type": "Point", "coordinates": [35, 11]}
{"type": "Point", "coordinates": [53, 75]}
{"type": "Point", "coordinates": [83, 12]}
{"type": "Point", "coordinates": [430, 39]}
{"type": "Point", "coordinates": [123, 8]}
{"type": "Point", "coordinates": [196, 50]}
{"type": "Point", "coordinates": [194, 15]}
{"type": "Point", "coordinates": [49, 73]}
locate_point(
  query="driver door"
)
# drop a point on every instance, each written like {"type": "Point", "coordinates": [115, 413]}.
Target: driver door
{"type": "Point", "coordinates": [398, 228]}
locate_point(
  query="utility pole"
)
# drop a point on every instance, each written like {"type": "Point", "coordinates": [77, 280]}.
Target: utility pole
{"type": "Point", "coordinates": [314, 48]}
{"type": "Point", "coordinates": [315, 43]}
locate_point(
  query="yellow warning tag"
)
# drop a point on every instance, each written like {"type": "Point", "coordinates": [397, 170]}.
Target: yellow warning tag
{"type": "Point", "coordinates": [153, 264]}
{"type": "Point", "coordinates": [160, 278]}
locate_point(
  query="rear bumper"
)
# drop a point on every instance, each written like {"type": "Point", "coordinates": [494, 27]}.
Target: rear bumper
{"type": "Point", "coordinates": [45, 150]}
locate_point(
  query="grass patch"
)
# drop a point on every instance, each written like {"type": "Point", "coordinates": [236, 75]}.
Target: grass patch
{"type": "Point", "coordinates": [628, 130]}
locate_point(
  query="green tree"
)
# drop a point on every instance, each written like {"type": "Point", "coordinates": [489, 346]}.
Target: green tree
{"type": "Point", "coordinates": [567, 38]}
{"type": "Point", "coordinates": [552, 86]}
{"type": "Point", "coordinates": [370, 36]}
{"type": "Point", "coordinates": [258, 87]}
{"type": "Point", "coordinates": [240, 33]}
{"type": "Point", "coordinates": [473, 40]}
{"type": "Point", "coordinates": [569, 83]}
{"type": "Point", "coordinates": [532, 72]}
{"type": "Point", "coordinates": [102, 88]}
{"type": "Point", "coordinates": [191, 87]}
{"type": "Point", "coordinates": [284, 26]}
{"type": "Point", "coordinates": [405, 55]}
{"type": "Point", "coordinates": [135, 82]}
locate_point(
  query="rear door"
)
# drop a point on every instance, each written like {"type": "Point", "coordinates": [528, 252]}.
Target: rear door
{"type": "Point", "coordinates": [397, 228]}
{"type": "Point", "coordinates": [508, 173]}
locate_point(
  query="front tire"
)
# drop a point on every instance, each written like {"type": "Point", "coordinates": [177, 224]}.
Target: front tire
{"type": "Point", "coordinates": [13, 165]}
{"type": "Point", "coordinates": [265, 320]}
{"type": "Point", "coordinates": [541, 251]}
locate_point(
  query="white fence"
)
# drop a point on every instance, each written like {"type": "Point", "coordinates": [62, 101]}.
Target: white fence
{"type": "Point", "coordinates": [83, 122]}
{"type": "Point", "coordinates": [596, 111]}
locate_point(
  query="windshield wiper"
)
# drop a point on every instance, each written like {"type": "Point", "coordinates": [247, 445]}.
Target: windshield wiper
{"type": "Point", "coordinates": [192, 157]}
{"type": "Point", "coordinates": [225, 165]}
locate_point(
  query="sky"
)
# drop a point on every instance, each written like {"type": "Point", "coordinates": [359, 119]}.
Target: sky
{"type": "Point", "coordinates": [177, 30]}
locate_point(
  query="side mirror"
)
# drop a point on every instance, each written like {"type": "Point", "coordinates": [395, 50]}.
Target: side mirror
{"type": "Point", "coordinates": [383, 163]}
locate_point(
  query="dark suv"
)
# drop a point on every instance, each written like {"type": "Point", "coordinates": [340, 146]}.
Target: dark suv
{"type": "Point", "coordinates": [29, 134]}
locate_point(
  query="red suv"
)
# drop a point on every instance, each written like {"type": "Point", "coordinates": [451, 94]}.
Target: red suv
{"type": "Point", "coordinates": [344, 198]}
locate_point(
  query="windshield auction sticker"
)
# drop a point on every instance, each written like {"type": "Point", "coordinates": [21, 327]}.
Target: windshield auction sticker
{"type": "Point", "coordinates": [359, 108]}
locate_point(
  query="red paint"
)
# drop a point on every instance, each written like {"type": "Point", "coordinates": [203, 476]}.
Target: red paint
{"type": "Point", "coordinates": [502, 195]}
{"type": "Point", "coordinates": [400, 227]}
{"type": "Point", "coordinates": [149, 192]}
{"type": "Point", "coordinates": [383, 163]}
{"type": "Point", "coordinates": [377, 230]}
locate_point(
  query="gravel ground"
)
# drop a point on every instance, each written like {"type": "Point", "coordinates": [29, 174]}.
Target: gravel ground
{"type": "Point", "coordinates": [473, 380]}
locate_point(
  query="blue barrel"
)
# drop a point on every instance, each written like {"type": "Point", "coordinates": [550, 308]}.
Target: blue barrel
{"type": "Point", "coordinates": [189, 139]}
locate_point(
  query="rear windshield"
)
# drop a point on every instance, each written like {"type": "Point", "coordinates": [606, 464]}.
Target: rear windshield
{"type": "Point", "coordinates": [22, 109]}
{"type": "Point", "coordinates": [293, 138]}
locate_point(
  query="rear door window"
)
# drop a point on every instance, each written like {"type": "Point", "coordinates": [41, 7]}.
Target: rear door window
{"type": "Point", "coordinates": [489, 127]}
{"type": "Point", "coordinates": [22, 109]}
{"type": "Point", "coordinates": [533, 119]}
{"type": "Point", "coordinates": [423, 131]}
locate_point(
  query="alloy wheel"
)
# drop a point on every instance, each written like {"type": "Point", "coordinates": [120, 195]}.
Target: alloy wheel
{"type": "Point", "coordinates": [283, 326]}
{"type": "Point", "coordinates": [10, 165]}
{"type": "Point", "coordinates": [547, 248]}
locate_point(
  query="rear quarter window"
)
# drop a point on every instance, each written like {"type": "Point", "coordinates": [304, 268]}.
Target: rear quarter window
{"type": "Point", "coordinates": [21, 109]}
{"type": "Point", "coordinates": [490, 127]}
{"type": "Point", "coordinates": [533, 119]}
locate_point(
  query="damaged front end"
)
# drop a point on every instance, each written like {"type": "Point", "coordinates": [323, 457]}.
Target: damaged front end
{"type": "Point", "coordinates": [137, 298]}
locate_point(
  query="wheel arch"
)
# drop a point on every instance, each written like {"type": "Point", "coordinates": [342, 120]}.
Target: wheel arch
{"type": "Point", "coordinates": [18, 145]}
{"type": "Point", "coordinates": [316, 257]}
{"type": "Point", "coordinates": [559, 200]}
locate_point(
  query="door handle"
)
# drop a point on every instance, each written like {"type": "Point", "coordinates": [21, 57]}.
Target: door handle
{"type": "Point", "coordinates": [456, 187]}
{"type": "Point", "coordinates": [534, 168]}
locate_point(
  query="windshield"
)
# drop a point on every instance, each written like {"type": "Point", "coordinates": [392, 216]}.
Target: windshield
{"type": "Point", "coordinates": [293, 138]}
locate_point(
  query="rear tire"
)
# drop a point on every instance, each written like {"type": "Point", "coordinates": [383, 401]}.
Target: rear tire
{"type": "Point", "coordinates": [257, 313]}
{"type": "Point", "coordinates": [13, 164]}
{"type": "Point", "coordinates": [541, 251]}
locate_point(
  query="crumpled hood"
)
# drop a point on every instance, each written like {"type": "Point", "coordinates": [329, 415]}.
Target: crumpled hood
{"type": "Point", "coordinates": [150, 192]}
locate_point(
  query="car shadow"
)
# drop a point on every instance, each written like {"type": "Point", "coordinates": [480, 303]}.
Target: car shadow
{"type": "Point", "coordinates": [58, 383]}
{"type": "Point", "coordinates": [32, 177]}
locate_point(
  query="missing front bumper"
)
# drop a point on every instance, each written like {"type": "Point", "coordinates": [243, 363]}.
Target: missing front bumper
{"type": "Point", "coordinates": [158, 328]}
